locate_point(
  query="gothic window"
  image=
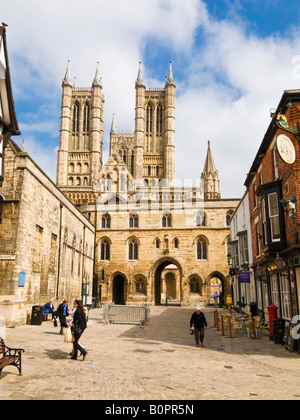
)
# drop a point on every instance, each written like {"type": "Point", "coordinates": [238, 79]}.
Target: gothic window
{"type": "Point", "coordinates": [194, 286]}
{"type": "Point", "coordinates": [201, 219]}
{"type": "Point", "coordinates": [133, 221]}
{"type": "Point", "coordinates": [149, 170]}
{"type": "Point", "coordinates": [159, 119]}
{"type": "Point", "coordinates": [72, 168]}
{"type": "Point", "coordinates": [133, 250]}
{"type": "Point", "coordinates": [122, 182]}
{"type": "Point", "coordinates": [167, 221]}
{"type": "Point", "coordinates": [228, 217]}
{"type": "Point", "coordinates": [202, 249]}
{"type": "Point", "coordinates": [1, 209]}
{"type": "Point", "coordinates": [105, 250]}
{"type": "Point", "coordinates": [157, 171]}
{"type": "Point", "coordinates": [86, 118]}
{"type": "Point", "coordinates": [132, 163]}
{"type": "Point", "coordinates": [140, 287]}
{"type": "Point", "coordinates": [106, 222]}
{"type": "Point", "coordinates": [71, 181]}
{"type": "Point", "coordinates": [149, 117]}
{"type": "Point", "coordinates": [123, 155]}
{"type": "Point", "coordinates": [108, 183]}
{"type": "Point", "coordinates": [78, 181]}
{"type": "Point", "coordinates": [76, 119]}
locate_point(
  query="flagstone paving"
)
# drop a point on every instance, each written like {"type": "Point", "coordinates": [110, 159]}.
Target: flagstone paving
{"type": "Point", "coordinates": [158, 361]}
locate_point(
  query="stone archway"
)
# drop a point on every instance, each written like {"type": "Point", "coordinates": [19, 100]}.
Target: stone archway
{"type": "Point", "coordinates": [156, 275]}
{"type": "Point", "coordinates": [214, 281]}
{"type": "Point", "coordinates": [119, 286]}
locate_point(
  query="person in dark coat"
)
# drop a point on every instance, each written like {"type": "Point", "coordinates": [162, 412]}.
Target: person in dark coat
{"type": "Point", "coordinates": [63, 312]}
{"type": "Point", "coordinates": [78, 326]}
{"type": "Point", "coordinates": [198, 322]}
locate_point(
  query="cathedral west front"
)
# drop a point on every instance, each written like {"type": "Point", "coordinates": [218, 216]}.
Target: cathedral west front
{"type": "Point", "coordinates": [123, 230]}
{"type": "Point", "coordinates": [154, 240]}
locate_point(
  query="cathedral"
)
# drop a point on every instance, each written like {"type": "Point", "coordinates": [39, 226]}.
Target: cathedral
{"type": "Point", "coordinates": [155, 241]}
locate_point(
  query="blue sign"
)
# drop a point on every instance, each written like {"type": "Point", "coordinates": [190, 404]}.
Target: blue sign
{"type": "Point", "coordinates": [244, 277]}
{"type": "Point", "coordinates": [22, 278]}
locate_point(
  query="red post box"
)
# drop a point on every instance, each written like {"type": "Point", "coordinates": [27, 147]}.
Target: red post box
{"type": "Point", "coordinates": [273, 314]}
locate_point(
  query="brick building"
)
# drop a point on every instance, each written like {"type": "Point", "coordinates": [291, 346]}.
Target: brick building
{"type": "Point", "coordinates": [274, 191]}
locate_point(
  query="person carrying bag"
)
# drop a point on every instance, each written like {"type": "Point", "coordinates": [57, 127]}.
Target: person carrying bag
{"type": "Point", "coordinates": [78, 326]}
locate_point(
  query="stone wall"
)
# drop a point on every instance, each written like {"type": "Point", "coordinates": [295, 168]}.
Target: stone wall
{"type": "Point", "coordinates": [44, 241]}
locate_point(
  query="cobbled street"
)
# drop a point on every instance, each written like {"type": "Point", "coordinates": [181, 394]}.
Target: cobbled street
{"type": "Point", "coordinates": [158, 361]}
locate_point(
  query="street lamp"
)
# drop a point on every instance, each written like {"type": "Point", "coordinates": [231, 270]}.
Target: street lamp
{"type": "Point", "coordinates": [279, 263]}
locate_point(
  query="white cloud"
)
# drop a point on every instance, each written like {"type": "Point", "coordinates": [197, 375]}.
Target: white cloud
{"type": "Point", "coordinates": [228, 79]}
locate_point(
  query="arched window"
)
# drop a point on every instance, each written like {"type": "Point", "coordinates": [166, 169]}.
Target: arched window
{"type": "Point", "coordinates": [86, 118]}
{"type": "Point", "coordinates": [201, 219]}
{"type": "Point", "coordinates": [159, 119]}
{"type": "Point", "coordinates": [228, 217]}
{"type": "Point", "coordinates": [157, 171]}
{"type": "Point", "coordinates": [106, 222]}
{"type": "Point", "coordinates": [105, 250]}
{"type": "Point", "coordinates": [149, 117]}
{"type": "Point", "coordinates": [122, 153]}
{"type": "Point", "coordinates": [76, 119]}
{"type": "Point", "coordinates": [140, 287]}
{"type": "Point", "coordinates": [132, 163]}
{"type": "Point", "coordinates": [195, 286]}
{"type": "Point", "coordinates": [202, 249]}
{"type": "Point", "coordinates": [1, 209]}
{"type": "Point", "coordinates": [167, 221]}
{"type": "Point", "coordinates": [133, 250]}
{"type": "Point", "coordinates": [108, 183]}
{"type": "Point", "coordinates": [149, 170]}
{"type": "Point", "coordinates": [133, 221]}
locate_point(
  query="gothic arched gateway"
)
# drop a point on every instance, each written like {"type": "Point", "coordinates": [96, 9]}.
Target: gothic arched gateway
{"type": "Point", "coordinates": [156, 273]}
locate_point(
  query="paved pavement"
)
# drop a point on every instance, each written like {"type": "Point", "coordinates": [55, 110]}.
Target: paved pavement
{"type": "Point", "coordinates": [158, 361]}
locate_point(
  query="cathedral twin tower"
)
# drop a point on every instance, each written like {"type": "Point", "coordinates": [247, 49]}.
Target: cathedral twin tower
{"type": "Point", "coordinates": [147, 155]}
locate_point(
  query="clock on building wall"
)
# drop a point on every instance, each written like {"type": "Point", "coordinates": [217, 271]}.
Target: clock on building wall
{"type": "Point", "coordinates": [286, 149]}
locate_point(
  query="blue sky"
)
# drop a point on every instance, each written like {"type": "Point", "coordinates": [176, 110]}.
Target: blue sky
{"type": "Point", "coordinates": [232, 60]}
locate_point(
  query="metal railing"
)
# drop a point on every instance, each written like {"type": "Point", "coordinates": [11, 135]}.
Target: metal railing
{"type": "Point", "coordinates": [121, 313]}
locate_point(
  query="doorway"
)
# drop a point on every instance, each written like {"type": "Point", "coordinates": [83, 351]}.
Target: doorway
{"type": "Point", "coordinates": [119, 290]}
{"type": "Point", "coordinates": [160, 266]}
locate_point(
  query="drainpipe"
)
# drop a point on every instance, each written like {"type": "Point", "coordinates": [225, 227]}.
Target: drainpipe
{"type": "Point", "coordinates": [59, 251]}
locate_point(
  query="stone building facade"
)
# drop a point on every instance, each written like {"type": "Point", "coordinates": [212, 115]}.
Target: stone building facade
{"type": "Point", "coordinates": [154, 240]}
{"type": "Point", "coordinates": [46, 244]}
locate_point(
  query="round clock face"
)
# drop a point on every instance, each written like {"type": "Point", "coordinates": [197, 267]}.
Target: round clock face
{"type": "Point", "coordinates": [286, 149]}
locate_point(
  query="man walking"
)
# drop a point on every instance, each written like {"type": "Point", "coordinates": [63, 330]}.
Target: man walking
{"type": "Point", "coordinates": [198, 320]}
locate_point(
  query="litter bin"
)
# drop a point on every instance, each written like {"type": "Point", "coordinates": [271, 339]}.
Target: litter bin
{"type": "Point", "coordinates": [253, 308]}
{"type": "Point", "coordinates": [37, 315]}
{"type": "Point", "coordinates": [278, 330]}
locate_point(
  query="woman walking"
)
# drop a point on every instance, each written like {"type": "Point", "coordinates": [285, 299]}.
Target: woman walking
{"type": "Point", "coordinates": [78, 326]}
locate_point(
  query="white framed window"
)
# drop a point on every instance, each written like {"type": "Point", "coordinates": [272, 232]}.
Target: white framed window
{"type": "Point", "coordinates": [274, 217]}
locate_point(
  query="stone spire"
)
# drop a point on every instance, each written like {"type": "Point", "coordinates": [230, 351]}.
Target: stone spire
{"type": "Point", "coordinates": [67, 79]}
{"type": "Point", "coordinates": [210, 178]}
{"type": "Point", "coordinates": [97, 79]}
{"type": "Point", "coordinates": [113, 126]}
{"type": "Point", "coordinates": [139, 80]}
{"type": "Point", "coordinates": [170, 79]}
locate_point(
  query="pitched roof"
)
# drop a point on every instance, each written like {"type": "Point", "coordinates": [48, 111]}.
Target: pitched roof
{"type": "Point", "coordinates": [8, 118]}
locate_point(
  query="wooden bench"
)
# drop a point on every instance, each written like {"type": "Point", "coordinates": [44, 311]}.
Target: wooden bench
{"type": "Point", "coordinates": [10, 357]}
